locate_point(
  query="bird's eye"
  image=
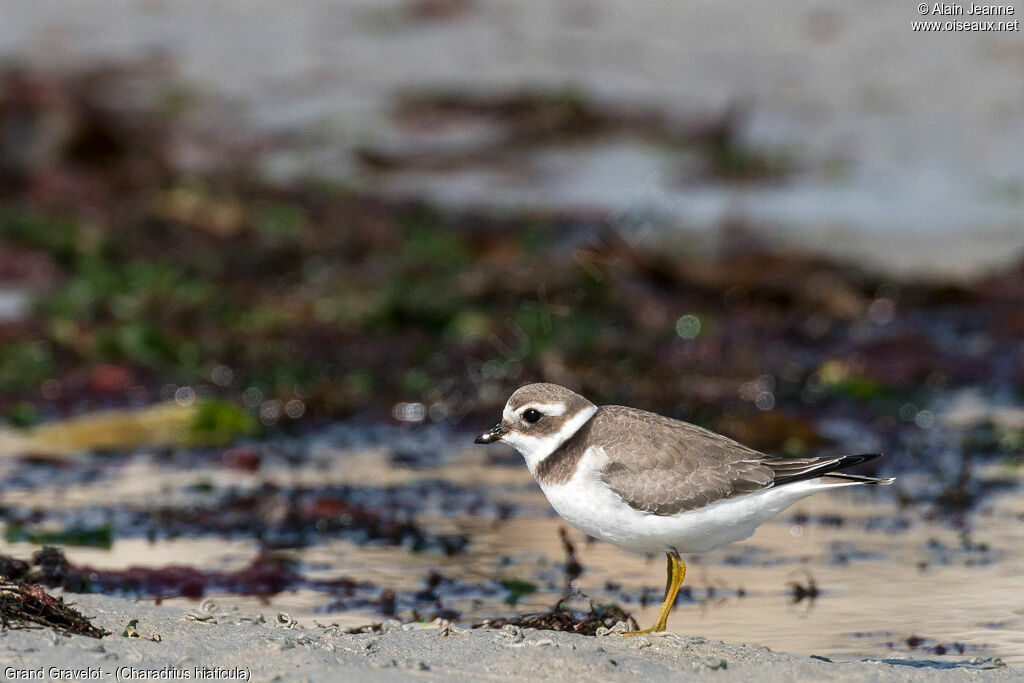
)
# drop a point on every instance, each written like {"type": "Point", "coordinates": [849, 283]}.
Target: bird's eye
{"type": "Point", "coordinates": [531, 415]}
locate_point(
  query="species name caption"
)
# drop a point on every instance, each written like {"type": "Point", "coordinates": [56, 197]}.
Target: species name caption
{"type": "Point", "coordinates": [127, 673]}
{"type": "Point", "coordinates": [979, 15]}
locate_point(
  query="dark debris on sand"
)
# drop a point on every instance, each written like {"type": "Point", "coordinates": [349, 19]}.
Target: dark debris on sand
{"type": "Point", "coordinates": [276, 516]}
{"type": "Point", "coordinates": [268, 574]}
{"type": "Point", "coordinates": [25, 605]}
{"type": "Point", "coordinates": [561, 618]}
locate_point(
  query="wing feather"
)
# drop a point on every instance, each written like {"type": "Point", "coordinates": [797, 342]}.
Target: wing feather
{"type": "Point", "coordinates": [664, 466]}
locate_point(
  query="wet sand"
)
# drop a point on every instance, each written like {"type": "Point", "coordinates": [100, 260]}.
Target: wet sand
{"type": "Point", "coordinates": [848, 575]}
{"type": "Point", "coordinates": [269, 652]}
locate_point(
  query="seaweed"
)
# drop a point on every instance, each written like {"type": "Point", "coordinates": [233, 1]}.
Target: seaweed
{"type": "Point", "coordinates": [573, 568]}
{"type": "Point", "coordinates": [25, 606]}
{"type": "Point", "coordinates": [807, 590]}
{"type": "Point", "coordinates": [561, 618]}
{"type": "Point", "coordinates": [267, 574]}
{"type": "Point", "coordinates": [931, 646]}
{"type": "Point", "coordinates": [223, 285]}
{"type": "Point", "coordinates": [95, 537]}
{"type": "Point", "coordinates": [517, 589]}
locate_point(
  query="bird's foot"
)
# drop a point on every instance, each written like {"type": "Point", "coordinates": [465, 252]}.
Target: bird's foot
{"type": "Point", "coordinates": [657, 628]}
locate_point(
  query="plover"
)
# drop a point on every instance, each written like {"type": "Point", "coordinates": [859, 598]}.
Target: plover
{"type": "Point", "coordinates": [650, 484]}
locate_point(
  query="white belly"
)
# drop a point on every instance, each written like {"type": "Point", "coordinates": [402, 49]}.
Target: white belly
{"type": "Point", "coordinates": [590, 506]}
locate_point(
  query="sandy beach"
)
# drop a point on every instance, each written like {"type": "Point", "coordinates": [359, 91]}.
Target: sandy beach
{"type": "Point", "coordinates": [267, 270]}
{"type": "Point", "coordinates": [190, 649]}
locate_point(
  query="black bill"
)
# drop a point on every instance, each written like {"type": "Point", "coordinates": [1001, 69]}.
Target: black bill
{"type": "Point", "coordinates": [494, 434]}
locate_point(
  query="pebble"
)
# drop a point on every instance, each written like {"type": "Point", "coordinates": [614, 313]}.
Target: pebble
{"type": "Point", "coordinates": [510, 632]}
{"type": "Point", "coordinates": [410, 663]}
{"type": "Point", "coordinates": [709, 663]}
{"type": "Point", "coordinates": [987, 662]}
{"type": "Point", "coordinates": [417, 664]}
{"type": "Point", "coordinates": [620, 627]}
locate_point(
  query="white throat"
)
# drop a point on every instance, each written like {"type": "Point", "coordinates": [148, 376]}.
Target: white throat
{"type": "Point", "coordinates": [536, 448]}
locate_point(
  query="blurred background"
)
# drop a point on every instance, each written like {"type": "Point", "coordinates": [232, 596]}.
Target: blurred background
{"type": "Point", "coordinates": [265, 269]}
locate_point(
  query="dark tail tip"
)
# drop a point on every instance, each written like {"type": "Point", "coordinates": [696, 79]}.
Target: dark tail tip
{"type": "Point", "coordinates": [860, 459]}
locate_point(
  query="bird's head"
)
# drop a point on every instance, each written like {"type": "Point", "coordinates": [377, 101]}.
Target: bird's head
{"type": "Point", "coordinates": [538, 418]}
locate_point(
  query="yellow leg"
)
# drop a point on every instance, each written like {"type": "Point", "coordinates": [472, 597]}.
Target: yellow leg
{"type": "Point", "coordinates": [676, 572]}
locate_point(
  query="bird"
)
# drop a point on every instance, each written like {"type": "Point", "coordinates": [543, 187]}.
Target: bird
{"type": "Point", "coordinates": [651, 484]}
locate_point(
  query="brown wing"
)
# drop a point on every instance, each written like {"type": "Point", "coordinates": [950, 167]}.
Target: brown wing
{"type": "Point", "coordinates": [664, 466]}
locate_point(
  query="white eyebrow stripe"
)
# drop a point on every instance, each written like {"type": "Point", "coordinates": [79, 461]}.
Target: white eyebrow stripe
{"type": "Point", "coordinates": [535, 448]}
{"type": "Point", "coordinates": [546, 408]}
